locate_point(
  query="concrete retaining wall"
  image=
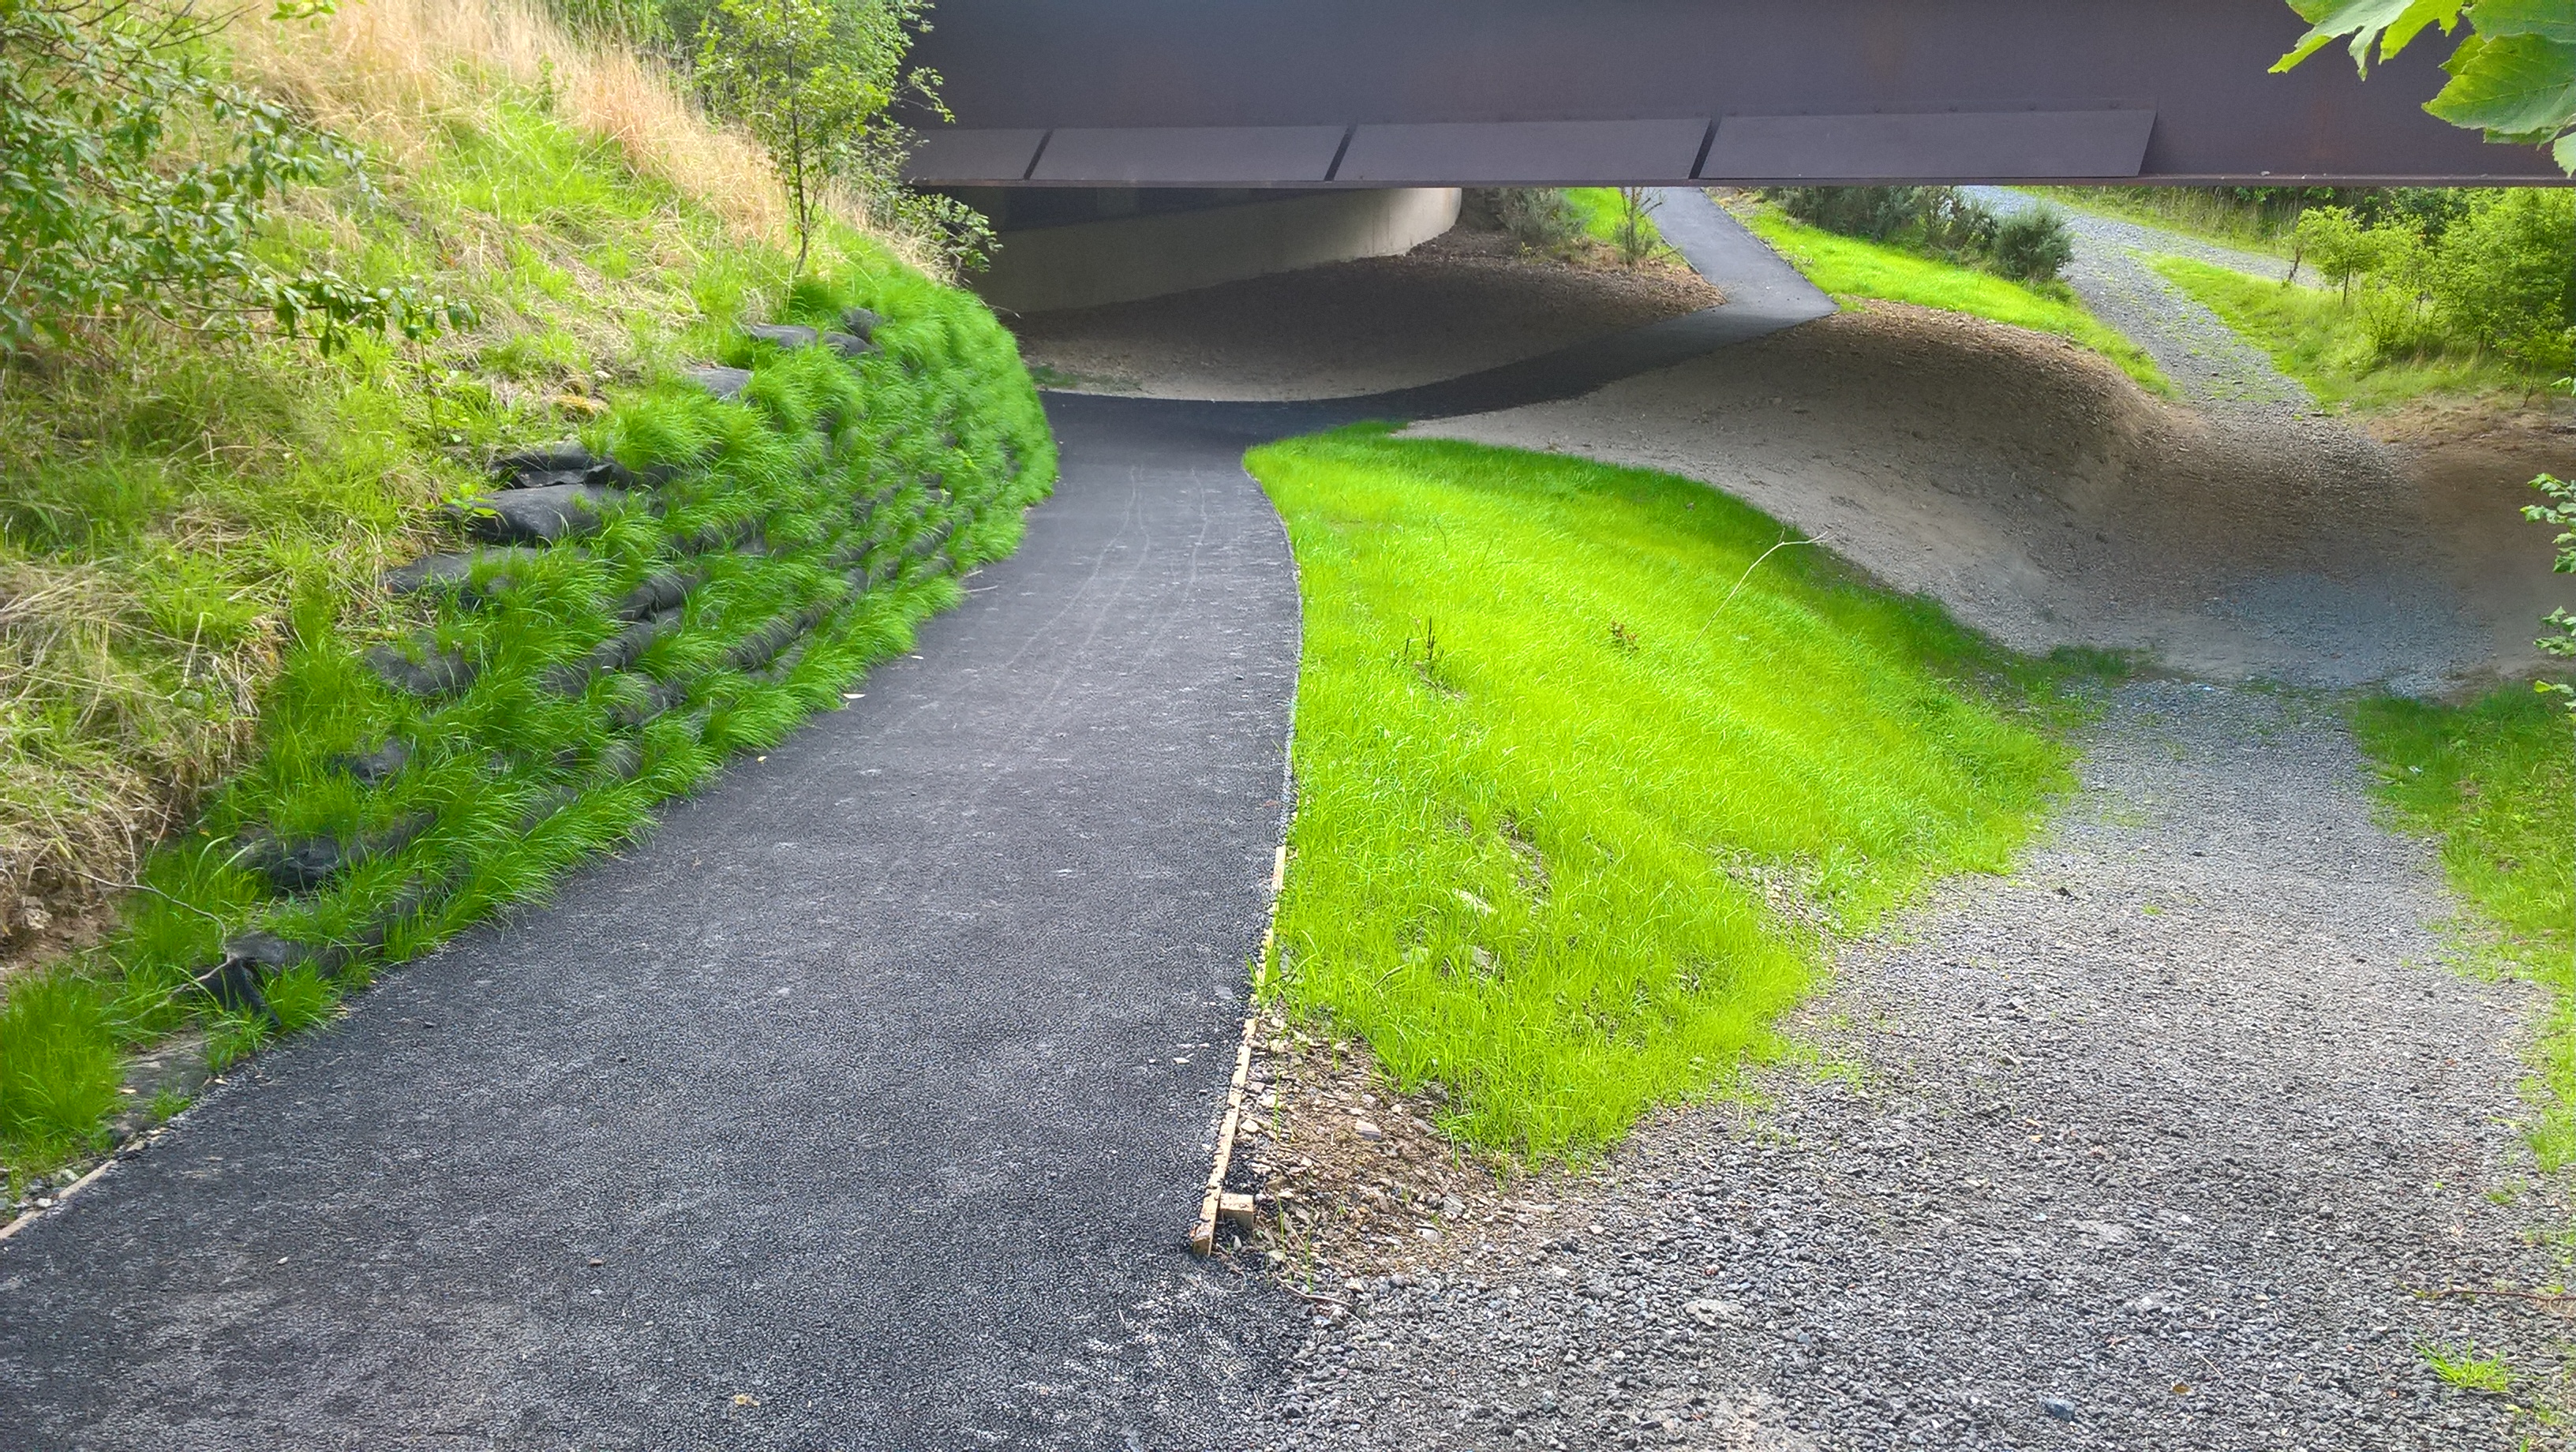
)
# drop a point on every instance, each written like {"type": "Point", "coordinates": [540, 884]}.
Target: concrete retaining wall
{"type": "Point", "coordinates": [1090, 263]}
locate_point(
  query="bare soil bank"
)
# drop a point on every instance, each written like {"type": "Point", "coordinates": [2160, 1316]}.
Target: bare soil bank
{"type": "Point", "coordinates": [2034, 490]}
{"type": "Point", "coordinates": [1464, 301]}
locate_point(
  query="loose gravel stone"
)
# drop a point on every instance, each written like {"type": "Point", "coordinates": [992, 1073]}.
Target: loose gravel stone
{"type": "Point", "coordinates": [2143, 1146]}
{"type": "Point", "coordinates": [2206, 359]}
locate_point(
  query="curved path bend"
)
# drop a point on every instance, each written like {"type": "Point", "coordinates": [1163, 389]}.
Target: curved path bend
{"type": "Point", "coordinates": [864, 1105]}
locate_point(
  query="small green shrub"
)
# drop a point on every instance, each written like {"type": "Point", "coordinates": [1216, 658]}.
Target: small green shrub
{"type": "Point", "coordinates": [1876, 213]}
{"type": "Point", "coordinates": [1539, 218]}
{"type": "Point", "coordinates": [2032, 246]}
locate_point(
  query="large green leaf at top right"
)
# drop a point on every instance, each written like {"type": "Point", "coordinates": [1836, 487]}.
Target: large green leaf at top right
{"type": "Point", "coordinates": [2515, 87]}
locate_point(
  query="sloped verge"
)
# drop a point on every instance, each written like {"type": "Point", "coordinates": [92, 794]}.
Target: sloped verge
{"type": "Point", "coordinates": [717, 558]}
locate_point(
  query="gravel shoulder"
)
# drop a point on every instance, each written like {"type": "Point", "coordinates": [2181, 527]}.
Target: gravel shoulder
{"type": "Point", "coordinates": [2036, 1186]}
{"type": "Point", "coordinates": [2209, 364]}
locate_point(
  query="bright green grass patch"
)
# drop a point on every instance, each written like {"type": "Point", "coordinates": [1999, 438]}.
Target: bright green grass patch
{"type": "Point", "coordinates": [1572, 823]}
{"type": "Point", "coordinates": [1602, 213]}
{"type": "Point", "coordinates": [2492, 780]}
{"type": "Point", "coordinates": [1848, 268]}
{"type": "Point", "coordinates": [2314, 337]}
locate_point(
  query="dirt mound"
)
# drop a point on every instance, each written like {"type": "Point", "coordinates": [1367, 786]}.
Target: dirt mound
{"type": "Point", "coordinates": [2033, 489]}
{"type": "Point", "coordinates": [1462, 302]}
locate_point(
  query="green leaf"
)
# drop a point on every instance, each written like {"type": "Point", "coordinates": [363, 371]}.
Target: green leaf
{"type": "Point", "coordinates": [2393, 24]}
{"type": "Point", "coordinates": [2513, 87]}
{"type": "Point", "coordinates": [2548, 19]}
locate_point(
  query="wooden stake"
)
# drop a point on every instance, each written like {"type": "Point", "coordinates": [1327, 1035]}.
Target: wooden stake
{"type": "Point", "coordinates": [1234, 1207]}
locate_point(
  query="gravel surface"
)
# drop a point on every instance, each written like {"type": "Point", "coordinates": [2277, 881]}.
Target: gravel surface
{"type": "Point", "coordinates": [2204, 357]}
{"type": "Point", "coordinates": [2043, 1184]}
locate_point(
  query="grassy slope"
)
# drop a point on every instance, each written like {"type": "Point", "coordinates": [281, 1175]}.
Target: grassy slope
{"type": "Point", "coordinates": [1571, 821]}
{"type": "Point", "coordinates": [221, 517]}
{"type": "Point", "coordinates": [2313, 337]}
{"type": "Point", "coordinates": [1600, 209]}
{"type": "Point", "coordinates": [1848, 267]}
{"type": "Point", "coordinates": [2493, 781]}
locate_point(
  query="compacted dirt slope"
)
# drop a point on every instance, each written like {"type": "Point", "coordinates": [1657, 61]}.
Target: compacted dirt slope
{"type": "Point", "coordinates": [1463, 302]}
{"type": "Point", "coordinates": [2037, 492]}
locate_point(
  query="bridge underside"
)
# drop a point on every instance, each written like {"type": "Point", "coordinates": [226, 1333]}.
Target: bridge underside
{"type": "Point", "coordinates": [1392, 93]}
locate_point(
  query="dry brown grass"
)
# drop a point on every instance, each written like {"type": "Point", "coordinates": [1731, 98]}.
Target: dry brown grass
{"type": "Point", "coordinates": [112, 721]}
{"type": "Point", "coordinates": [385, 72]}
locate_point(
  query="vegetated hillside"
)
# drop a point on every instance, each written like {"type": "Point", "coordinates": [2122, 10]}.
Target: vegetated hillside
{"type": "Point", "coordinates": [194, 538]}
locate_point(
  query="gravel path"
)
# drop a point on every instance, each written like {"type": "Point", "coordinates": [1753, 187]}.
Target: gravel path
{"type": "Point", "coordinates": [2133, 1149]}
{"type": "Point", "coordinates": [2203, 356]}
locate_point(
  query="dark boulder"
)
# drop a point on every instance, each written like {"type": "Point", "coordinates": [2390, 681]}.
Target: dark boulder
{"type": "Point", "coordinates": [537, 516]}
{"type": "Point", "coordinates": [785, 335]}
{"type": "Point", "coordinates": [660, 591]}
{"type": "Point", "coordinates": [849, 345]}
{"type": "Point", "coordinates": [306, 863]}
{"type": "Point", "coordinates": [569, 462]}
{"type": "Point", "coordinates": [371, 767]}
{"type": "Point", "coordinates": [862, 322]}
{"type": "Point", "coordinates": [455, 571]}
{"type": "Point", "coordinates": [418, 672]}
{"type": "Point", "coordinates": [726, 384]}
{"type": "Point", "coordinates": [615, 653]}
{"type": "Point", "coordinates": [651, 700]}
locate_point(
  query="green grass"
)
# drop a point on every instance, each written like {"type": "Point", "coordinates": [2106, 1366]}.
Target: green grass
{"type": "Point", "coordinates": [195, 534]}
{"type": "Point", "coordinates": [2469, 1371]}
{"type": "Point", "coordinates": [1576, 813]}
{"type": "Point", "coordinates": [2318, 340]}
{"type": "Point", "coordinates": [1850, 268]}
{"type": "Point", "coordinates": [2492, 781]}
{"type": "Point", "coordinates": [1602, 212]}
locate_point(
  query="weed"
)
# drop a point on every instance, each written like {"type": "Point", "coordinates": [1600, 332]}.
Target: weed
{"type": "Point", "coordinates": [1545, 887]}
{"type": "Point", "coordinates": [1425, 662]}
{"type": "Point", "coordinates": [1622, 638]}
{"type": "Point", "coordinates": [2469, 1371]}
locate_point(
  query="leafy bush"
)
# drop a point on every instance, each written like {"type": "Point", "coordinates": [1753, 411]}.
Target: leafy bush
{"type": "Point", "coordinates": [1956, 227]}
{"type": "Point", "coordinates": [1942, 222]}
{"type": "Point", "coordinates": [2494, 280]}
{"type": "Point", "coordinates": [1539, 218]}
{"type": "Point", "coordinates": [133, 180]}
{"type": "Point", "coordinates": [2032, 246]}
{"type": "Point", "coordinates": [2502, 278]}
{"type": "Point", "coordinates": [1876, 213]}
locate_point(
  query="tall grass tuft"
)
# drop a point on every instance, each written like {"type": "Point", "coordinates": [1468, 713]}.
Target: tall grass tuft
{"type": "Point", "coordinates": [1591, 767]}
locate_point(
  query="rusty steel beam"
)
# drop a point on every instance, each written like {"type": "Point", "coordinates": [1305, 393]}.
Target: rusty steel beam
{"type": "Point", "coordinates": [1230, 93]}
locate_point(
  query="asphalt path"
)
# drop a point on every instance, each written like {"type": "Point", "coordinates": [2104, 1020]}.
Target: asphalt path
{"type": "Point", "coordinates": [864, 1105]}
